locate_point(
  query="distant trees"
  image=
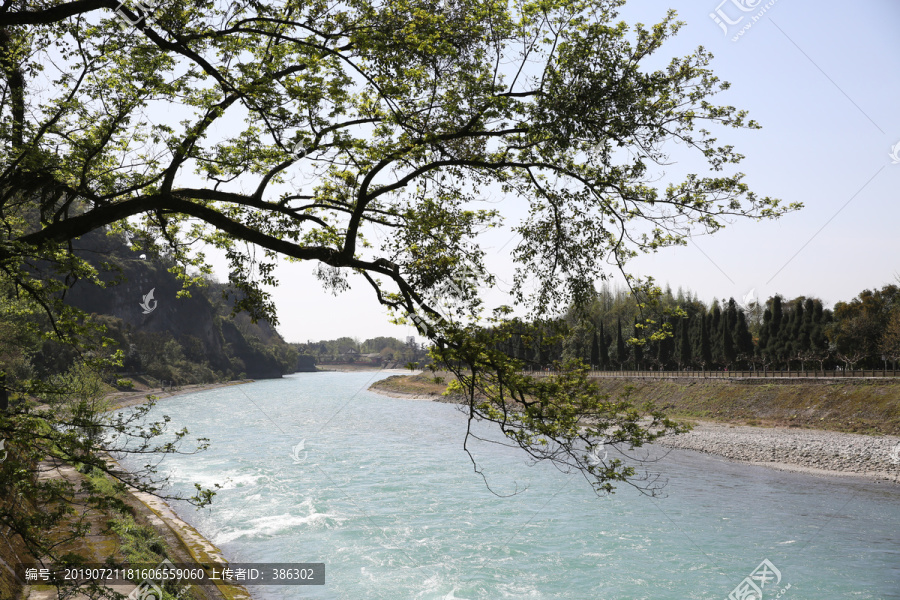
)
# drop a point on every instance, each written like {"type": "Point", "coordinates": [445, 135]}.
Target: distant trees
{"type": "Point", "coordinates": [378, 344]}
{"type": "Point", "coordinates": [799, 333]}
{"type": "Point", "coordinates": [347, 349]}
{"type": "Point", "coordinates": [604, 349]}
{"type": "Point", "coordinates": [890, 341]}
{"type": "Point", "coordinates": [861, 325]}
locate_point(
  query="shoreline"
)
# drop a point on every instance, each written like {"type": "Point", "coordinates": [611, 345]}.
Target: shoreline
{"type": "Point", "coordinates": [411, 396]}
{"type": "Point", "coordinates": [809, 451]}
{"type": "Point", "coordinates": [122, 400]}
{"type": "Point", "coordinates": [160, 513]}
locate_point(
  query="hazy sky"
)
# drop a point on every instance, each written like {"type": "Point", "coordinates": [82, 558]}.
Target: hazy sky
{"type": "Point", "coordinates": [822, 80]}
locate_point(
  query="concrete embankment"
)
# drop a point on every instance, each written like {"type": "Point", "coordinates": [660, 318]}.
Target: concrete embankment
{"type": "Point", "coordinates": [184, 545]}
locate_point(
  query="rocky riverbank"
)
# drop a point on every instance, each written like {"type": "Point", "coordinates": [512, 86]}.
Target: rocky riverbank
{"type": "Point", "coordinates": [807, 450]}
{"type": "Point", "coordinates": [799, 446]}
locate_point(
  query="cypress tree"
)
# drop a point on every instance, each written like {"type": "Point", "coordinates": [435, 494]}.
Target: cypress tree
{"type": "Point", "coordinates": [742, 337]}
{"type": "Point", "coordinates": [684, 350]}
{"type": "Point", "coordinates": [804, 331]}
{"type": "Point", "coordinates": [731, 312]}
{"type": "Point", "coordinates": [705, 346]}
{"type": "Point", "coordinates": [716, 322]}
{"type": "Point", "coordinates": [775, 346]}
{"type": "Point", "coordinates": [714, 330]}
{"type": "Point", "coordinates": [818, 342]}
{"type": "Point", "coordinates": [604, 349]}
{"type": "Point", "coordinates": [621, 350]}
{"type": "Point", "coordinates": [728, 351]}
{"type": "Point", "coordinates": [787, 335]}
{"type": "Point", "coordinates": [595, 351]}
{"type": "Point", "coordinates": [764, 335]}
{"type": "Point", "coordinates": [777, 314]}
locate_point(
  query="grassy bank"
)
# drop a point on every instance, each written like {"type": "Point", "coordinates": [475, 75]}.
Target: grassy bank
{"type": "Point", "coordinates": [856, 406]}
{"type": "Point", "coordinates": [126, 530]}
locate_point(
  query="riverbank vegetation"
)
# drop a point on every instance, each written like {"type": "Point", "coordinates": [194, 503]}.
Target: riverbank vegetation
{"type": "Point", "coordinates": [611, 333]}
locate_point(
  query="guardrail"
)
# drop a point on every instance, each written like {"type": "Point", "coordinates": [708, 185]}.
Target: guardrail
{"type": "Point", "coordinates": [777, 374]}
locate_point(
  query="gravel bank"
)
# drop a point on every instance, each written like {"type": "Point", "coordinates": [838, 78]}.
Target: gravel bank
{"type": "Point", "coordinates": [806, 450]}
{"type": "Point", "coordinates": [788, 449]}
{"type": "Point", "coordinates": [119, 400]}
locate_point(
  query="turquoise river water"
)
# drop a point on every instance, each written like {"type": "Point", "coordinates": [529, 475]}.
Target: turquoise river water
{"type": "Point", "coordinates": [315, 468]}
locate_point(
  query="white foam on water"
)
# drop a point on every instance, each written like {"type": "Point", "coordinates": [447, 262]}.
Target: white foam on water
{"type": "Point", "coordinates": [273, 525]}
{"type": "Point", "coordinates": [278, 524]}
{"type": "Point", "coordinates": [419, 525]}
{"type": "Point", "coordinates": [228, 480]}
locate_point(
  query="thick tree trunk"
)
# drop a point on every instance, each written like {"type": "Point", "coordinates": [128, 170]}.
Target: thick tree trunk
{"type": "Point", "coordinates": [16, 82]}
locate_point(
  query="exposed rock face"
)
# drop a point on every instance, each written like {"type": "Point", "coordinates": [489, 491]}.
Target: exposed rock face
{"type": "Point", "coordinates": [146, 300]}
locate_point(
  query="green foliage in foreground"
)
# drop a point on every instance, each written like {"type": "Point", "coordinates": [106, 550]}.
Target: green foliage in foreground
{"type": "Point", "coordinates": [65, 423]}
{"type": "Point", "coordinates": [563, 418]}
{"type": "Point", "coordinates": [367, 139]}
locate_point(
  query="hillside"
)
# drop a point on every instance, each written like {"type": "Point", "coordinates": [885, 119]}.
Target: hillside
{"type": "Point", "coordinates": [164, 338]}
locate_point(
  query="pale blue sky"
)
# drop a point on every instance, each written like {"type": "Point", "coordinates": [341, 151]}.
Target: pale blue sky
{"type": "Point", "coordinates": [823, 82]}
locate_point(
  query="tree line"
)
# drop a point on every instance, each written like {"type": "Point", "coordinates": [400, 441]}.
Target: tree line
{"type": "Point", "coordinates": [677, 331]}
{"type": "Point", "coordinates": [350, 349]}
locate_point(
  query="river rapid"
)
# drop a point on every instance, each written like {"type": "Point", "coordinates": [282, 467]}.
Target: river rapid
{"type": "Point", "coordinates": [315, 468]}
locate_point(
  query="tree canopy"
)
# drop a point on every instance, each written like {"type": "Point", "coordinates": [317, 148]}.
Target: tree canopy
{"type": "Point", "coordinates": [369, 138]}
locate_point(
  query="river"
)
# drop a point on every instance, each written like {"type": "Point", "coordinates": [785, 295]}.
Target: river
{"type": "Point", "coordinates": [315, 468]}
